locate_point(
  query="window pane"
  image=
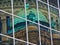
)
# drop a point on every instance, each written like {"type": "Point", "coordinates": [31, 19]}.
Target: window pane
{"type": "Point", "coordinates": [44, 1]}
{"type": "Point", "coordinates": [59, 3]}
{"type": "Point", "coordinates": [5, 41]}
{"type": "Point", "coordinates": [6, 24]}
{"type": "Point", "coordinates": [53, 3]}
{"type": "Point", "coordinates": [31, 10]}
{"type": "Point", "coordinates": [5, 5]}
{"type": "Point", "coordinates": [56, 37]}
{"type": "Point", "coordinates": [20, 28]}
{"type": "Point", "coordinates": [19, 8]}
{"type": "Point", "coordinates": [45, 36]}
{"type": "Point", "coordinates": [33, 33]}
{"type": "Point", "coordinates": [20, 43]}
{"type": "Point", "coordinates": [54, 13]}
{"type": "Point", "coordinates": [43, 14]}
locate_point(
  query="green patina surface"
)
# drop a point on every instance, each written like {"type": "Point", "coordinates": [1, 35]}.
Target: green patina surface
{"type": "Point", "coordinates": [22, 14]}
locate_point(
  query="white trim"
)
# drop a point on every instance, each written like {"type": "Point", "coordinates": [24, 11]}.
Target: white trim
{"type": "Point", "coordinates": [38, 23]}
{"type": "Point", "coordinates": [26, 22]}
{"type": "Point", "coordinates": [13, 23]}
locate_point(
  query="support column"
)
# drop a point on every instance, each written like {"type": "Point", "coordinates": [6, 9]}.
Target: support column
{"type": "Point", "coordinates": [4, 28]}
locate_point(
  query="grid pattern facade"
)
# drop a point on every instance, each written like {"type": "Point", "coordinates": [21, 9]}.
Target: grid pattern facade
{"type": "Point", "coordinates": [29, 22]}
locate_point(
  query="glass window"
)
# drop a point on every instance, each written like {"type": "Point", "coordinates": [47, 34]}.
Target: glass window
{"type": "Point", "coordinates": [59, 3]}
{"type": "Point", "coordinates": [33, 33]}
{"type": "Point", "coordinates": [56, 37]}
{"type": "Point", "coordinates": [5, 40]}
{"type": "Point", "coordinates": [54, 13]}
{"type": "Point", "coordinates": [53, 3]}
{"type": "Point", "coordinates": [6, 24]}
{"type": "Point", "coordinates": [45, 36]}
{"type": "Point", "coordinates": [20, 43]}
{"type": "Point", "coordinates": [19, 9]}
{"type": "Point", "coordinates": [20, 28]}
{"type": "Point", "coordinates": [43, 14]}
{"type": "Point", "coordinates": [6, 5]}
{"type": "Point", "coordinates": [44, 1]}
{"type": "Point", "coordinates": [31, 10]}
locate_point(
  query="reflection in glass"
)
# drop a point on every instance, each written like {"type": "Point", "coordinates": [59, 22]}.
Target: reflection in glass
{"type": "Point", "coordinates": [54, 13]}
{"type": "Point", "coordinates": [44, 1]}
{"type": "Point", "coordinates": [45, 36]}
{"type": "Point", "coordinates": [31, 10]}
{"type": "Point", "coordinates": [5, 5]}
{"type": "Point", "coordinates": [43, 14]}
{"type": "Point", "coordinates": [33, 33]}
{"type": "Point", "coordinates": [54, 3]}
{"type": "Point", "coordinates": [59, 3]}
{"type": "Point", "coordinates": [20, 28]}
{"type": "Point", "coordinates": [0, 25]}
{"type": "Point", "coordinates": [19, 43]}
{"type": "Point", "coordinates": [6, 41]}
{"type": "Point", "coordinates": [6, 23]}
{"type": "Point", "coordinates": [56, 37]}
{"type": "Point", "coordinates": [19, 8]}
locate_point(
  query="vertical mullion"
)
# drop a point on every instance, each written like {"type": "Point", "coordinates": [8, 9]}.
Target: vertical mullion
{"type": "Point", "coordinates": [38, 24]}
{"type": "Point", "coordinates": [58, 3]}
{"type": "Point", "coordinates": [26, 22]}
{"type": "Point", "coordinates": [58, 8]}
{"type": "Point", "coordinates": [59, 11]}
{"type": "Point", "coordinates": [50, 22]}
{"type": "Point", "coordinates": [13, 23]}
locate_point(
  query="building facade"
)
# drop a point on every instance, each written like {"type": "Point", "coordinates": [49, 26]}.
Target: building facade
{"type": "Point", "coordinates": [33, 21]}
